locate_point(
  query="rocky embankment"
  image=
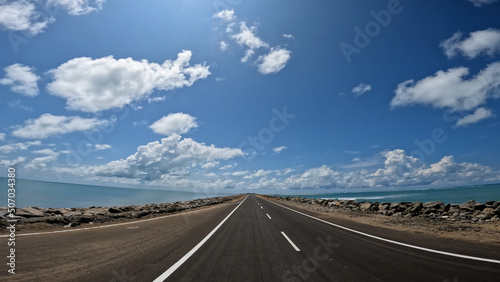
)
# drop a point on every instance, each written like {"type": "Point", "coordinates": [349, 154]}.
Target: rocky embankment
{"type": "Point", "coordinates": [470, 212]}
{"type": "Point", "coordinates": [71, 217]}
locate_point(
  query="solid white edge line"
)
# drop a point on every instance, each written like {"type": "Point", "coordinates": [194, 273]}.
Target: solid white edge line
{"type": "Point", "coordinates": [174, 267]}
{"type": "Point", "coordinates": [395, 242]}
{"type": "Point", "coordinates": [290, 241]}
{"type": "Point", "coordinates": [109, 225]}
{"type": "Point", "coordinates": [268, 216]}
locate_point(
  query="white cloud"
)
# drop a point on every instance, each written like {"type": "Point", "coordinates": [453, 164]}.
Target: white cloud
{"type": "Point", "coordinates": [479, 3]}
{"type": "Point", "coordinates": [478, 115]}
{"type": "Point", "coordinates": [18, 146]}
{"type": "Point", "coordinates": [240, 173]}
{"type": "Point", "coordinates": [22, 16]}
{"type": "Point", "coordinates": [226, 15]}
{"type": "Point", "coordinates": [274, 61]}
{"type": "Point", "coordinates": [78, 7]}
{"type": "Point", "coordinates": [156, 99]}
{"type": "Point", "coordinates": [449, 89]}
{"type": "Point", "coordinates": [171, 157]}
{"type": "Point", "coordinates": [259, 173]}
{"type": "Point", "coordinates": [21, 79]}
{"type": "Point", "coordinates": [279, 149]}
{"type": "Point", "coordinates": [246, 37]}
{"type": "Point", "coordinates": [226, 167]}
{"type": "Point", "coordinates": [94, 85]}
{"type": "Point", "coordinates": [479, 42]}
{"type": "Point", "coordinates": [398, 169]}
{"type": "Point", "coordinates": [40, 163]}
{"type": "Point", "coordinates": [47, 152]}
{"type": "Point", "coordinates": [177, 123]}
{"type": "Point", "coordinates": [209, 165]}
{"type": "Point", "coordinates": [2, 136]}
{"type": "Point", "coordinates": [289, 36]}
{"type": "Point", "coordinates": [9, 163]}
{"type": "Point", "coordinates": [361, 89]}
{"type": "Point", "coordinates": [223, 45]}
{"type": "Point", "coordinates": [100, 147]}
{"type": "Point", "coordinates": [49, 125]}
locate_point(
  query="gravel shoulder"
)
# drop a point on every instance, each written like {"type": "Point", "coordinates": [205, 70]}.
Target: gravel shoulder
{"type": "Point", "coordinates": [419, 223]}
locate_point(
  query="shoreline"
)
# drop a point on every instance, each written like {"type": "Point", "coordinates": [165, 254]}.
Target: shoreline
{"type": "Point", "coordinates": [34, 218]}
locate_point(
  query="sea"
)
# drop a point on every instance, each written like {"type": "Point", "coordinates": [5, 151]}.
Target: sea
{"type": "Point", "coordinates": [449, 195]}
{"type": "Point", "coordinates": [31, 193]}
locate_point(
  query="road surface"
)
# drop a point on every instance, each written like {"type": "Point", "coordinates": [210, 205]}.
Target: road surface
{"type": "Point", "coordinates": [253, 239]}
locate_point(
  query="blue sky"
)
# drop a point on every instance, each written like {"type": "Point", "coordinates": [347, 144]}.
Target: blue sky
{"type": "Point", "coordinates": [234, 95]}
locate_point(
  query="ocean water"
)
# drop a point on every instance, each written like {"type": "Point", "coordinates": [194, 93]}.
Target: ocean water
{"type": "Point", "coordinates": [453, 195]}
{"type": "Point", "coordinates": [30, 193]}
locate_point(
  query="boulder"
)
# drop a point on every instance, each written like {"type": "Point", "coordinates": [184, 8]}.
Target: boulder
{"type": "Point", "coordinates": [497, 211]}
{"type": "Point", "coordinates": [114, 210]}
{"type": "Point", "coordinates": [467, 206]}
{"type": "Point", "coordinates": [479, 206]}
{"type": "Point", "coordinates": [415, 207]}
{"type": "Point", "coordinates": [434, 204]}
{"type": "Point", "coordinates": [29, 212]}
{"type": "Point", "coordinates": [365, 206]}
{"type": "Point", "coordinates": [493, 204]}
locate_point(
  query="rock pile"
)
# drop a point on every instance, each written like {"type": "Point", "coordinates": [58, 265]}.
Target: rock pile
{"type": "Point", "coordinates": [72, 217]}
{"type": "Point", "coordinates": [471, 211]}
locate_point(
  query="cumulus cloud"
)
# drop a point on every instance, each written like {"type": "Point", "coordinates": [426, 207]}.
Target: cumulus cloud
{"type": "Point", "coordinates": [47, 152]}
{"type": "Point", "coordinates": [479, 42]}
{"type": "Point", "coordinates": [49, 125]}
{"type": "Point", "coordinates": [361, 89]}
{"type": "Point", "coordinates": [22, 16]}
{"type": "Point", "coordinates": [170, 157]}
{"type": "Point", "coordinates": [101, 147]}
{"type": "Point", "coordinates": [259, 173]}
{"type": "Point", "coordinates": [40, 163]}
{"type": "Point", "coordinates": [449, 89]}
{"type": "Point", "coordinates": [210, 165]}
{"type": "Point", "coordinates": [274, 61]}
{"type": "Point", "coordinates": [78, 7]}
{"type": "Point", "coordinates": [177, 123]}
{"type": "Point", "coordinates": [279, 149]}
{"type": "Point", "coordinates": [223, 45]}
{"type": "Point", "coordinates": [21, 79]}
{"type": "Point", "coordinates": [11, 163]}
{"type": "Point", "coordinates": [246, 37]}
{"type": "Point", "coordinates": [93, 85]}
{"type": "Point", "coordinates": [2, 136]}
{"type": "Point", "coordinates": [398, 169]}
{"type": "Point", "coordinates": [226, 15]}
{"type": "Point", "coordinates": [478, 115]}
{"type": "Point", "coordinates": [480, 3]}
{"type": "Point", "coordinates": [13, 147]}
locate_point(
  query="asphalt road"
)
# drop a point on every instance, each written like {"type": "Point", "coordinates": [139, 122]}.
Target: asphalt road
{"type": "Point", "coordinates": [255, 240]}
